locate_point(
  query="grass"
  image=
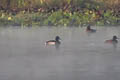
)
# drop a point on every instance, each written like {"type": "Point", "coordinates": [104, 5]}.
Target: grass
{"type": "Point", "coordinates": [58, 18]}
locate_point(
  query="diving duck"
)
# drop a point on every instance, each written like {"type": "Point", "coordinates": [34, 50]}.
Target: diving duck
{"type": "Point", "coordinates": [53, 42]}
{"type": "Point", "coordinates": [88, 29]}
{"type": "Point", "coordinates": [113, 40]}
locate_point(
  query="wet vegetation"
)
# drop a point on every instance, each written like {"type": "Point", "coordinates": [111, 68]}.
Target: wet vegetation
{"type": "Point", "coordinates": [59, 12]}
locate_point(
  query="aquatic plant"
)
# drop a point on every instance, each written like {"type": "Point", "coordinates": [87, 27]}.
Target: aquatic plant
{"type": "Point", "coordinates": [57, 13]}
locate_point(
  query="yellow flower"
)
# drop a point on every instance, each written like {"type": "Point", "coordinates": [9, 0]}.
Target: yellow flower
{"type": "Point", "coordinates": [86, 13]}
{"type": "Point", "coordinates": [93, 15]}
{"type": "Point", "coordinates": [98, 7]}
{"type": "Point", "coordinates": [9, 18]}
{"type": "Point", "coordinates": [64, 12]}
{"type": "Point", "coordinates": [23, 11]}
{"type": "Point", "coordinates": [90, 12]}
{"type": "Point", "coordinates": [3, 15]}
{"type": "Point", "coordinates": [41, 1]}
{"type": "Point", "coordinates": [70, 14]}
{"type": "Point", "coordinates": [65, 24]}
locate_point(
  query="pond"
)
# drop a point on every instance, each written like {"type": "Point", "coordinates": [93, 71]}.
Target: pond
{"type": "Point", "coordinates": [80, 56]}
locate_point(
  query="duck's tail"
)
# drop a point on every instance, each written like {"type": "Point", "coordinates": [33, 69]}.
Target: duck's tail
{"type": "Point", "coordinates": [45, 43]}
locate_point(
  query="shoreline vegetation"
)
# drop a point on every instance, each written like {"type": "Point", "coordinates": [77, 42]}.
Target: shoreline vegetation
{"type": "Point", "coordinates": [59, 12]}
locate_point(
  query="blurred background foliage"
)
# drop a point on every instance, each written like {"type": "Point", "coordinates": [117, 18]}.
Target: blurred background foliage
{"type": "Point", "coordinates": [13, 4]}
{"type": "Point", "coordinates": [59, 12]}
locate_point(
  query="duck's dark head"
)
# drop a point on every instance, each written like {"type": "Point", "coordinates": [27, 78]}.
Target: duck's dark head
{"type": "Point", "coordinates": [88, 27]}
{"type": "Point", "coordinates": [57, 38]}
{"type": "Point", "coordinates": [115, 37]}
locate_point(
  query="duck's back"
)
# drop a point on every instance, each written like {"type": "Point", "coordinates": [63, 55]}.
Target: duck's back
{"type": "Point", "coordinates": [93, 30]}
{"type": "Point", "coordinates": [111, 41]}
{"type": "Point", "coordinates": [108, 41]}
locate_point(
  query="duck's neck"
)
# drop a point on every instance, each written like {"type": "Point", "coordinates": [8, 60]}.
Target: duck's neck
{"type": "Point", "coordinates": [114, 39]}
{"type": "Point", "coordinates": [57, 40]}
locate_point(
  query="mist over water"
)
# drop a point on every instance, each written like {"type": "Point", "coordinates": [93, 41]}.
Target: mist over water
{"type": "Point", "coordinates": [81, 55]}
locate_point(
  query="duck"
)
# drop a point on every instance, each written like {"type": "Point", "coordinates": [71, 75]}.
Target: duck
{"type": "Point", "coordinates": [54, 42]}
{"type": "Point", "coordinates": [113, 40]}
{"type": "Point", "coordinates": [88, 29]}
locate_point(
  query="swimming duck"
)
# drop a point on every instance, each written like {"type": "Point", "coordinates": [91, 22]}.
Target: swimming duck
{"type": "Point", "coordinates": [53, 42]}
{"type": "Point", "coordinates": [88, 29]}
{"type": "Point", "coordinates": [113, 40]}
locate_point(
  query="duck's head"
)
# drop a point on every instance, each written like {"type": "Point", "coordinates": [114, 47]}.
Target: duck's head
{"type": "Point", "coordinates": [57, 38]}
{"type": "Point", "coordinates": [88, 27]}
{"type": "Point", "coordinates": [115, 37]}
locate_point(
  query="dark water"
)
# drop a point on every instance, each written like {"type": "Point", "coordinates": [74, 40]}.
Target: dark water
{"type": "Point", "coordinates": [81, 56]}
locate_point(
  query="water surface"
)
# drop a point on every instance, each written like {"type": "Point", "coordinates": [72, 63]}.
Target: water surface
{"type": "Point", "coordinates": [81, 56]}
